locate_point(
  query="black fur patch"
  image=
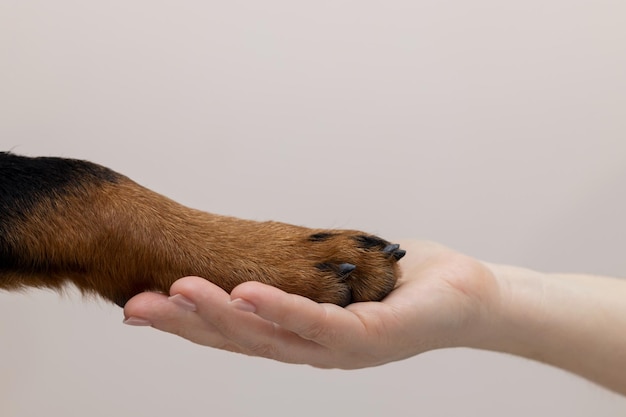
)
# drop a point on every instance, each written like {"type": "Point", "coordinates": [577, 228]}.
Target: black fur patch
{"type": "Point", "coordinates": [325, 267]}
{"type": "Point", "coordinates": [25, 182]}
{"type": "Point", "coordinates": [370, 242]}
{"type": "Point", "coordinates": [320, 237]}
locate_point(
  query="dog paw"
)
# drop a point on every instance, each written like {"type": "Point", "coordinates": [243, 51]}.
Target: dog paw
{"type": "Point", "coordinates": [333, 266]}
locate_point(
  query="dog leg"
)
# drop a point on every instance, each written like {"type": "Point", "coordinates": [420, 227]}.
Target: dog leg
{"type": "Point", "coordinates": [64, 220]}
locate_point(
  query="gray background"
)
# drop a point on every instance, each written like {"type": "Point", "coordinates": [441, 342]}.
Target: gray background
{"type": "Point", "coordinates": [497, 128]}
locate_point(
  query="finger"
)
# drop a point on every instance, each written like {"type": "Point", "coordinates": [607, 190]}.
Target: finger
{"type": "Point", "coordinates": [325, 324]}
{"type": "Point", "coordinates": [252, 334]}
{"type": "Point", "coordinates": [173, 316]}
{"type": "Point", "coordinates": [149, 306]}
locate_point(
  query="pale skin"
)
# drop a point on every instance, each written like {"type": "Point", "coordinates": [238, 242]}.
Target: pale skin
{"type": "Point", "coordinates": [444, 299]}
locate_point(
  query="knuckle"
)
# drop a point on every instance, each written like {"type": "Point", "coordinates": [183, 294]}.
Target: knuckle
{"type": "Point", "coordinates": [316, 328]}
{"type": "Point", "coordinates": [314, 331]}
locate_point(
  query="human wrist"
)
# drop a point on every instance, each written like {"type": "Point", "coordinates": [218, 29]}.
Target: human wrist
{"type": "Point", "coordinates": [471, 322]}
{"type": "Point", "coordinates": [513, 319]}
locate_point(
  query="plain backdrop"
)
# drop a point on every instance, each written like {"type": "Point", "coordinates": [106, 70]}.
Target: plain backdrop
{"type": "Point", "coordinates": [497, 128]}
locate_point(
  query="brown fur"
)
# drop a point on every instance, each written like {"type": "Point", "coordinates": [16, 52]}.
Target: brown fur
{"type": "Point", "coordinates": [118, 239]}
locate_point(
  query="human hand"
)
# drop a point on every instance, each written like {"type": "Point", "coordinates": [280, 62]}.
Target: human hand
{"type": "Point", "coordinates": [443, 299]}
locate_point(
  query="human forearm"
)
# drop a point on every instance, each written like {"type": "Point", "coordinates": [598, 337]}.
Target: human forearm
{"type": "Point", "coordinates": [574, 322]}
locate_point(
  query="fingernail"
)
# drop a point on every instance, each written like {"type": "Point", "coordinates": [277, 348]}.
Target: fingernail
{"type": "Point", "coordinates": [183, 302]}
{"type": "Point", "coordinates": [136, 321]}
{"type": "Point", "coordinates": [243, 305]}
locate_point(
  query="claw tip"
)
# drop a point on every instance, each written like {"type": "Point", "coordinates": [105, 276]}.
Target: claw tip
{"type": "Point", "coordinates": [345, 269]}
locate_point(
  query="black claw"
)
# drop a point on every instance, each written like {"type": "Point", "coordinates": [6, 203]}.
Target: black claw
{"type": "Point", "coordinates": [345, 269]}
{"type": "Point", "coordinates": [399, 254]}
{"type": "Point", "coordinates": [395, 251]}
{"type": "Point", "coordinates": [392, 248]}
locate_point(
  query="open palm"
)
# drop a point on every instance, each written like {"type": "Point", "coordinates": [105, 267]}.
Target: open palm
{"type": "Point", "coordinates": [441, 300]}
